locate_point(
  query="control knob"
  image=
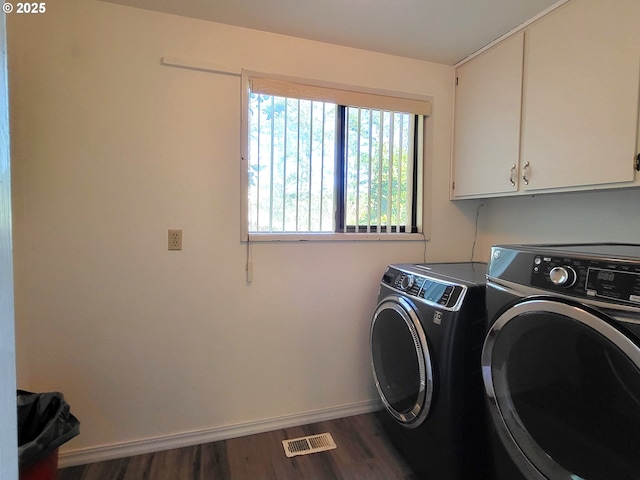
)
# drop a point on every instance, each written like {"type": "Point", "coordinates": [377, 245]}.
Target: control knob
{"type": "Point", "coordinates": [406, 282]}
{"type": "Point", "coordinates": [563, 276]}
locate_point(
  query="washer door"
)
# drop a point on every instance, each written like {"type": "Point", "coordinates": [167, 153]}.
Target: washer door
{"type": "Point", "coordinates": [401, 361]}
{"type": "Point", "coordinates": [563, 383]}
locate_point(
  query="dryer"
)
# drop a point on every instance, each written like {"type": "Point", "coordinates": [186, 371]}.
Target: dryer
{"type": "Point", "coordinates": [561, 361]}
{"type": "Point", "coordinates": [426, 338]}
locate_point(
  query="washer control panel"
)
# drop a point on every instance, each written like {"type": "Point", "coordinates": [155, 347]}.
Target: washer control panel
{"type": "Point", "coordinates": [429, 290]}
{"type": "Point", "coordinates": [606, 279]}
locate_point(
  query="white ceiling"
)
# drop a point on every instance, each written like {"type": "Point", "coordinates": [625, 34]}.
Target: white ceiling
{"type": "Point", "coordinates": [444, 31]}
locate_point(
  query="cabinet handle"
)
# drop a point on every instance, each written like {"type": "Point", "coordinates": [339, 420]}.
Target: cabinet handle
{"type": "Point", "coordinates": [525, 173]}
{"type": "Point", "coordinates": [512, 170]}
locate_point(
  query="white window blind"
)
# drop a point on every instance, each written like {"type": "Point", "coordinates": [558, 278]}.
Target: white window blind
{"type": "Point", "coordinates": [339, 96]}
{"type": "Point", "coordinates": [324, 159]}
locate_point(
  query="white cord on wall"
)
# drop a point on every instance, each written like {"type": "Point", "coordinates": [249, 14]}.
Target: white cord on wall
{"type": "Point", "coordinates": [475, 235]}
{"type": "Point", "coordinates": [249, 261]}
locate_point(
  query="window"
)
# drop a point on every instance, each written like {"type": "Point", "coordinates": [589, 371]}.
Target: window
{"type": "Point", "coordinates": [327, 160]}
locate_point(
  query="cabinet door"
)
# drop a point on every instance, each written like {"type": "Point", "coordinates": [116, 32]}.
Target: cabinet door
{"type": "Point", "coordinates": [580, 99]}
{"type": "Point", "coordinates": [487, 121]}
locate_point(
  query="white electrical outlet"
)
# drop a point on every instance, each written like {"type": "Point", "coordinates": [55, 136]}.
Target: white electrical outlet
{"type": "Point", "coordinates": [175, 239]}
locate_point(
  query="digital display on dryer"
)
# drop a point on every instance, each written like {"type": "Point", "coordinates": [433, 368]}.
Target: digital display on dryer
{"type": "Point", "coordinates": [433, 291]}
{"type": "Point", "coordinates": [613, 284]}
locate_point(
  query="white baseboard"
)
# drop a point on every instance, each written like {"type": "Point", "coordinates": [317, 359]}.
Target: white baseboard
{"type": "Point", "coordinates": [196, 437]}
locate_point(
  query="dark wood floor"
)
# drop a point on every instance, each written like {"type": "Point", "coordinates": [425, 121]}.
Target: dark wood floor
{"type": "Point", "coordinates": [363, 453]}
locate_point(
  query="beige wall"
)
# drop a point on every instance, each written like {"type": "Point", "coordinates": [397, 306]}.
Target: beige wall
{"type": "Point", "coordinates": [110, 150]}
{"type": "Point", "coordinates": [596, 216]}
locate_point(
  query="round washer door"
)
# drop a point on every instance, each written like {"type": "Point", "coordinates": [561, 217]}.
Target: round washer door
{"type": "Point", "coordinates": [563, 383]}
{"type": "Point", "coordinates": [401, 361]}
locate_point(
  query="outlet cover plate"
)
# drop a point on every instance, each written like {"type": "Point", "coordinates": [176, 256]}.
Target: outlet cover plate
{"type": "Point", "coordinates": [175, 239]}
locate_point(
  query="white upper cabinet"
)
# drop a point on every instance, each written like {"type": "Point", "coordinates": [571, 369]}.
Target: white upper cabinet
{"type": "Point", "coordinates": [487, 121]}
{"type": "Point", "coordinates": [576, 125]}
{"type": "Point", "coordinates": [580, 104]}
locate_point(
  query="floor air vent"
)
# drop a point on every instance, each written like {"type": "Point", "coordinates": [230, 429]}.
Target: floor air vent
{"type": "Point", "coordinates": [307, 445]}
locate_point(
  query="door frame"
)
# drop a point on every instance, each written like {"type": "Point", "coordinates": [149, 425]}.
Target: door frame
{"type": "Point", "coordinates": [8, 416]}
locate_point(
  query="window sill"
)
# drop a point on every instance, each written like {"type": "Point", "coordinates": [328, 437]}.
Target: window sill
{"type": "Point", "coordinates": [336, 237]}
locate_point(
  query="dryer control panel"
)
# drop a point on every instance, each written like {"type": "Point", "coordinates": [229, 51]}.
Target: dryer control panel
{"type": "Point", "coordinates": [429, 290]}
{"type": "Point", "coordinates": [606, 272]}
{"type": "Point", "coordinates": [605, 279]}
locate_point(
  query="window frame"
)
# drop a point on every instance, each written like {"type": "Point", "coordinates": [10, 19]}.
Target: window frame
{"type": "Point", "coordinates": [421, 176]}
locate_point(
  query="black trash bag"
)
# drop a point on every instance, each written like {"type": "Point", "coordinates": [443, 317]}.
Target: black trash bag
{"type": "Point", "coordinates": [44, 423]}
